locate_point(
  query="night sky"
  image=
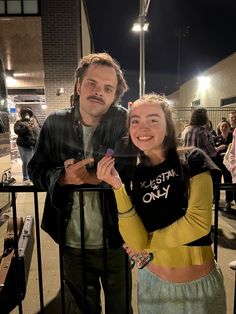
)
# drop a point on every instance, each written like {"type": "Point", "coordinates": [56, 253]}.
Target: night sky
{"type": "Point", "coordinates": [198, 33]}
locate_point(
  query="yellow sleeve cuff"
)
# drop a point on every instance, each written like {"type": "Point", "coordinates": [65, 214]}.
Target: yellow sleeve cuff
{"type": "Point", "coordinates": [122, 199]}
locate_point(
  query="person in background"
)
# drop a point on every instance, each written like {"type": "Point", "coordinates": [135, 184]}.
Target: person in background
{"type": "Point", "coordinates": [231, 165]}
{"type": "Point", "coordinates": [27, 131]}
{"type": "Point", "coordinates": [224, 138]}
{"type": "Point", "coordinates": [71, 143]}
{"type": "Point", "coordinates": [223, 119]}
{"type": "Point", "coordinates": [231, 152]}
{"type": "Point", "coordinates": [199, 135]}
{"type": "Point", "coordinates": [232, 120]}
{"type": "Point", "coordinates": [185, 129]}
{"type": "Point", "coordinates": [168, 221]}
{"type": "Point", "coordinates": [213, 132]}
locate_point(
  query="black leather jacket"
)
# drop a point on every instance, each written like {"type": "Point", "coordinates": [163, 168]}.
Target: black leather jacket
{"type": "Point", "coordinates": [61, 138]}
{"type": "Point", "coordinates": [27, 131]}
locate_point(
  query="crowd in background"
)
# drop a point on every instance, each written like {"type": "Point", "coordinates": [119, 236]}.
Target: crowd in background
{"type": "Point", "coordinates": [200, 133]}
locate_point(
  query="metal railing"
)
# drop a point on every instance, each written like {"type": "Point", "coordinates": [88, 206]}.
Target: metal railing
{"type": "Point", "coordinates": [14, 189]}
{"type": "Point", "coordinates": [215, 114]}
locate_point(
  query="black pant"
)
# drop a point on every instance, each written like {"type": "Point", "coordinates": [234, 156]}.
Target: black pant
{"type": "Point", "coordinates": [229, 195]}
{"type": "Point", "coordinates": [116, 280]}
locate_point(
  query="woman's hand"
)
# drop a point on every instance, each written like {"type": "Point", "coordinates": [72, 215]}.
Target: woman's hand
{"type": "Point", "coordinates": [106, 172]}
{"type": "Point", "coordinates": [221, 147]}
{"type": "Point", "coordinates": [141, 259]}
{"type": "Point", "coordinates": [132, 254]}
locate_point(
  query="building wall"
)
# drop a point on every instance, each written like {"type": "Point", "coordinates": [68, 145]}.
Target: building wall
{"type": "Point", "coordinates": [221, 85]}
{"type": "Point", "coordinates": [21, 51]}
{"type": "Point", "coordinates": [86, 38]}
{"type": "Point", "coordinates": [61, 53]}
{"type": "Point", "coordinates": [44, 51]}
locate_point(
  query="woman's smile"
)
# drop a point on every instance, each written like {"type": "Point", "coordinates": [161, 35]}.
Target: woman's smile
{"type": "Point", "coordinates": [144, 138]}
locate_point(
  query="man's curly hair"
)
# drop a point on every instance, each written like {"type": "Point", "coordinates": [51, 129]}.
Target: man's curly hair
{"type": "Point", "coordinates": [102, 58]}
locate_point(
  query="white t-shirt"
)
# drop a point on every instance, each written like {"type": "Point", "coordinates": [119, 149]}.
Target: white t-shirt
{"type": "Point", "coordinates": [92, 213]}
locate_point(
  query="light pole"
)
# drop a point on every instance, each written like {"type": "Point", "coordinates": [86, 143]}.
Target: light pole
{"type": "Point", "coordinates": [142, 50]}
{"type": "Point", "coordinates": [144, 4]}
{"type": "Point", "coordinates": [143, 9]}
{"type": "Point", "coordinates": [182, 33]}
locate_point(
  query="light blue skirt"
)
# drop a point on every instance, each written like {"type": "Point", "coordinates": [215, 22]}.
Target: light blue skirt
{"type": "Point", "coordinates": [203, 296]}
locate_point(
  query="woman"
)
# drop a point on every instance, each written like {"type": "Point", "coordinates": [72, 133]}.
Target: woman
{"type": "Point", "coordinates": [199, 134]}
{"type": "Point", "coordinates": [224, 139]}
{"type": "Point", "coordinates": [27, 129]}
{"type": "Point", "coordinates": [170, 217]}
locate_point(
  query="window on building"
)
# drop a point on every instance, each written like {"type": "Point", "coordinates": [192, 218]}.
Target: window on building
{"type": "Point", "coordinates": [19, 7]}
{"type": "Point", "coordinates": [228, 101]}
{"type": "Point", "coordinates": [196, 103]}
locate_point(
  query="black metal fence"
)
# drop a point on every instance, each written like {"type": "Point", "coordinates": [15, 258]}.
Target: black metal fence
{"type": "Point", "coordinates": [15, 189]}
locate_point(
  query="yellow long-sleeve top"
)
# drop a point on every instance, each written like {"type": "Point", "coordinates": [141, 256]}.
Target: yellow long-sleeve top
{"type": "Point", "coordinates": [168, 244]}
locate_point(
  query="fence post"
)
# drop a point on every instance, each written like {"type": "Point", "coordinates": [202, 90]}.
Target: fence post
{"type": "Point", "coordinates": [216, 218]}
{"type": "Point", "coordinates": [39, 257]}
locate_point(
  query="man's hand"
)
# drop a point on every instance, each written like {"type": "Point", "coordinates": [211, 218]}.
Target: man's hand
{"type": "Point", "coordinates": [106, 172]}
{"type": "Point", "coordinates": [77, 173]}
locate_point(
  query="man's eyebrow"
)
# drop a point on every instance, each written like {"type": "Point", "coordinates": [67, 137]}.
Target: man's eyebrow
{"type": "Point", "coordinates": [107, 85]}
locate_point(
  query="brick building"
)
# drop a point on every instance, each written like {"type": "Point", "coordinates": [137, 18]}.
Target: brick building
{"type": "Point", "coordinates": [40, 46]}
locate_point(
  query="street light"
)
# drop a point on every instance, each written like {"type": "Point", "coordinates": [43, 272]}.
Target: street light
{"type": "Point", "coordinates": [203, 82]}
{"type": "Point", "coordinates": [137, 27]}
{"type": "Point", "coordinates": [141, 27]}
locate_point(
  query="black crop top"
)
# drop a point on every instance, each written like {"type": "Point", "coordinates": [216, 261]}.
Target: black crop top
{"type": "Point", "coordinates": [160, 194]}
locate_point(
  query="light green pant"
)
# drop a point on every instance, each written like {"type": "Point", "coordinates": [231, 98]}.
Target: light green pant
{"type": "Point", "coordinates": [203, 296]}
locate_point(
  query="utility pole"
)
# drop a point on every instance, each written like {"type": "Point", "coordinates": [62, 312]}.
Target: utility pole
{"type": "Point", "coordinates": [143, 7]}
{"type": "Point", "coordinates": [179, 57]}
{"type": "Point", "coordinates": [182, 33]}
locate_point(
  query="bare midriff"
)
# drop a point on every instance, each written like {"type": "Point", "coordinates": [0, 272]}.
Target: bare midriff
{"type": "Point", "coordinates": [182, 274]}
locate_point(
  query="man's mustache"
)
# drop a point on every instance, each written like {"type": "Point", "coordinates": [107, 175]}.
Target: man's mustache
{"type": "Point", "coordinates": [96, 98]}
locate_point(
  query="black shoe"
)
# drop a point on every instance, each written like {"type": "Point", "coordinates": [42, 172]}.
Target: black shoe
{"type": "Point", "coordinates": [227, 208]}
{"type": "Point", "coordinates": [229, 211]}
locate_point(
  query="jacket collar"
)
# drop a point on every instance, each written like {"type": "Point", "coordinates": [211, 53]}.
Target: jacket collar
{"type": "Point", "coordinates": [76, 115]}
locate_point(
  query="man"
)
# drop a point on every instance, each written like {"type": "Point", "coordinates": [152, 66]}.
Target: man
{"type": "Point", "coordinates": [71, 143]}
{"type": "Point", "coordinates": [232, 120]}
